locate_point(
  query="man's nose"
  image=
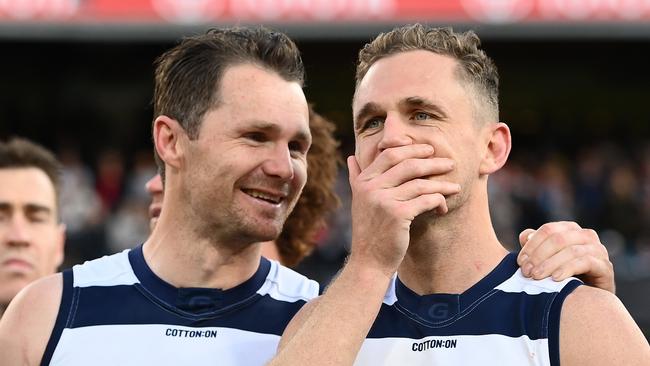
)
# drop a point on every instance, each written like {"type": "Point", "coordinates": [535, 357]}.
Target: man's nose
{"type": "Point", "coordinates": [18, 233]}
{"type": "Point", "coordinates": [278, 162]}
{"type": "Point", "coordinates": [395, 133]}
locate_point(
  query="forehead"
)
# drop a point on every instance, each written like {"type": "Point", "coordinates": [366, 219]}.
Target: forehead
{"type": "Point", "coordinates": [26, 185]}
{"type": "Point", "coordinates": [410, 74]}
{"type": "Point", "coordinates": [254, 93]}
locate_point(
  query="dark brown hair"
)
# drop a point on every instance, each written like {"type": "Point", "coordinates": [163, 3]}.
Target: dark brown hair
{"type": "Point", "coordinates": [22, 153]}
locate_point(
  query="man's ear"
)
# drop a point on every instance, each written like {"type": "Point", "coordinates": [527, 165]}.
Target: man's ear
{"type": "Point", "coordinates": [167, 135]}
{"type": "Point", "coordinates": [499, 143]}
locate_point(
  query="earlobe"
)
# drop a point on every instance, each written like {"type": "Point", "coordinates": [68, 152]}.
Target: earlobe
{"type": "Point", "coordinates": [166, 133]}
{"type": "Point", "coordinates": [498, 148]}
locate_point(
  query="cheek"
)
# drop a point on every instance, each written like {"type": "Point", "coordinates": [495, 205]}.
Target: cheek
{"type": "Point", "coordinates": [300, 174]}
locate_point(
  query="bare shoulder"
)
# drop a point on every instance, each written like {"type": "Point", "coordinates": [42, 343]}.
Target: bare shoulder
{"type": "Point", "coordinates": [27, 324]}
{"type": "Point", "coordinates": [597, 329]}
{"type": "Point", "coordinates": [297, 321]}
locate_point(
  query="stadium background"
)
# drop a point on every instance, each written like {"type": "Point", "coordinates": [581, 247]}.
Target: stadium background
{"type": "Point", "coordinates": [76, 76]}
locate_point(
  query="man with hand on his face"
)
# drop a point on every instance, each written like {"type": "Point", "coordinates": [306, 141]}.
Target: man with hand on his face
{"type": "Point", "coordinates": [427, 138]}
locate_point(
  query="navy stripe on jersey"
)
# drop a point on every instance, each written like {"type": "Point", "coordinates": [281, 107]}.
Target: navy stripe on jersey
{"type": "Point", "coordinates": [189, 301]}
{"type": "Point", "coordinates": [554, 323]}
{"type": "Point", "coordinates": [61, 318]}
{"type": "Point", "coordinates": [481, 310]}
{"type": "Point", "coordinates": [108, 309]}
{"type": "Point", "coordinates": [119, 293]}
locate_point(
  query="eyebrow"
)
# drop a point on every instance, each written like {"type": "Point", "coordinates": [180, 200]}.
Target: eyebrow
{"type": "Point", "coordinates": [301, 135]}
{"type": "Point", "coordinates": [368, 109]}
{"type": "Point", "coordinates": [29, 207]}
{"type": "Point", "coordinates": [422, 103]}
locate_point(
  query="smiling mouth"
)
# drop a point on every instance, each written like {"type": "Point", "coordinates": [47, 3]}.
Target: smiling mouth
{"type": "Point", "coordinates": [264, 196]}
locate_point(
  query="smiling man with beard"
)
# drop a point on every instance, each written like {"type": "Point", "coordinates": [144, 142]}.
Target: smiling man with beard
{"type": "Point", "coordinates": [231, 134]}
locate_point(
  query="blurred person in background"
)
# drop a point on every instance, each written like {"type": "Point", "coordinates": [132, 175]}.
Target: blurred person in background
{"type": "Point", "coordinates": [31, 235]}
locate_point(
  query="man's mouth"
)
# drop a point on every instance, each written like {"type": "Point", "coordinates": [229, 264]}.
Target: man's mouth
{"type": "Point", "coordinates": [17, 264]}
{"type": "Point", "coordinates": [272, 198]}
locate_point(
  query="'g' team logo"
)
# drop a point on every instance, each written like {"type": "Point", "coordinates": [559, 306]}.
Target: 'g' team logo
{"type": "Point", "coordinates": [498, 11]}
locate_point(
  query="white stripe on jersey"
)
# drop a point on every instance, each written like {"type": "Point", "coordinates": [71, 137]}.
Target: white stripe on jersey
{"type": "Point", "coordinates": [284, 284]}
{"type": "Point", "coordinates": [518, 283]}
{"type": "Point", "coordinates": [111, 270]}
{"type": "Point", "coordinates": [493, 349]}
{"type": "Point", "coordinates": [168, 344]}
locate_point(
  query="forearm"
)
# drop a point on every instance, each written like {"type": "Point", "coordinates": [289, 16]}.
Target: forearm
{"type": "Point", "coordinates": [340, 321]}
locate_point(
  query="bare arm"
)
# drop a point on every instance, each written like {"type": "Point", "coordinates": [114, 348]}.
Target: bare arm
{"type": "Point", "coordinates": [564, 249]}
{"type": "Point", "coordinates": [596, 329]}
{"type": "Point", "coordinates": [27, 324]}
{"type": "Point", "coordinates": [387, 196]}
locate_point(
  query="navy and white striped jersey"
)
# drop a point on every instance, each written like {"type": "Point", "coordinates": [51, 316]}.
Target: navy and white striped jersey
{"type": "Point", "coordinates": [504, 319]}
{"type": "Point", "coordinates": [116, 311]}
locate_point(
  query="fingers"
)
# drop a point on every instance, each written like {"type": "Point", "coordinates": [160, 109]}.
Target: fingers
{"type": "Point", "coordinates": [393, 156]}
{"type": "Point", "coordinates": [562, 250]}
{"type": "Point", "coordinates": [566, 262]}
{"type": "Point", "coordinates": [534, 238]}
{"type": "Point", "coordinates": [418, 187]}
{"type": "Point", "coordinates": [415, 168]}
{"type": "Point", "coordinates": [428, 202]}
{"type": "Point", "coordinates": [353, 168]}
{"type": "Point", "coordinates": [524, 236]}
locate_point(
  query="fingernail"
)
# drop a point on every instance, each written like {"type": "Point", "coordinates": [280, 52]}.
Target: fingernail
{"type": "Point", "coordinates": [523, 258]}
{"type": "Point", "coordinates": [557, 275]}
{"type": "Point", "coordinates": [526, 269]}
{"type": "Point", "coordinates": [537, 272]}
{"type": "Point", "coordinates": [530, 236]}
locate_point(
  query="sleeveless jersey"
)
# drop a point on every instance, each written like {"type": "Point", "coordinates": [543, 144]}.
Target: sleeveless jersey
{"type": "Point", "coordinates": [504, 319]}
{"type": "Point", "coordinates": [116, 311]}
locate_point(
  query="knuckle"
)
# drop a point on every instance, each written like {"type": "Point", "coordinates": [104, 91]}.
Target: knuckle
{"type": "Point", "coordinates": [592, 235]}
{"type": "Point", "coordinates": [558, 240]}
{"type": "Point", "coordinates": [577, 251]}
{"type": "Point", "coordinates": [392, 156]}
{"type": "Point", "coordinates": [546, 229]}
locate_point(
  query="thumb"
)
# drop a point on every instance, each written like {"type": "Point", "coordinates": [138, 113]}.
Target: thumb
{"type": "Point", "coordinates": [524, 236]}
{"type": "Point", "coordinates": [353, 168]}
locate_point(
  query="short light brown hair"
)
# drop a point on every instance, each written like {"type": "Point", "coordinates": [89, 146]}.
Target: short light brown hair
{"type": "Point", "coordinates": [22, 153]}
{"type": "Point", "coordinates": [318, 199]}
{"type": "Point", "coordinates": [475, 68]}
{"type": "Point", "coordinates": [188, 76]}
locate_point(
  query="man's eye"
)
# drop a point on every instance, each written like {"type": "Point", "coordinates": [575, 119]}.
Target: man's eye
{"type": "Point", "coordinates": [421, 116]}
{"type": "Point", "coordinates": [297, 147]}
{"type": "Point", "coordinates": [256, 136]}
{"type": "Point", "coordinates": [38, 218]}
{"type": "Point", "coordinates": [373, 123]}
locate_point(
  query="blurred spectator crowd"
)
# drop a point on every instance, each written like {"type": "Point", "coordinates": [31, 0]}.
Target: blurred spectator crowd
{"type": "Point", "coordinates": [604, 186]}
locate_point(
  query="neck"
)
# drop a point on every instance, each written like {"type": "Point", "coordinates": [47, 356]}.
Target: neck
{"type": "Point", "coordinates": [449, 254]}
{"type": "Point", "coordinates": [179, 255]}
